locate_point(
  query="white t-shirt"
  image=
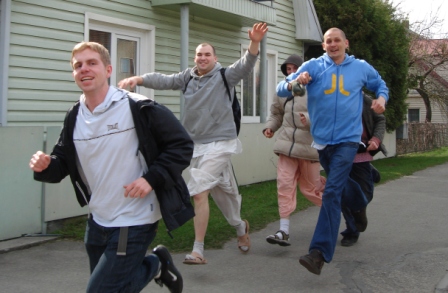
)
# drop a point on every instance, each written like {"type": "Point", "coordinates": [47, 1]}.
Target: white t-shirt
{"type": "Point", "coordinates": [107, 147]}
{"type": "Point", "coordinates": [232, 146]}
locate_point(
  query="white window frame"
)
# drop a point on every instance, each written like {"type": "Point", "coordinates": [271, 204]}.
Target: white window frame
{"type": "Point", "coordinates": [143, 33]}
{"type": "Point", "coordinates": [272, 57]}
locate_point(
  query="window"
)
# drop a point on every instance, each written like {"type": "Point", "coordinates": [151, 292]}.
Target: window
{"type": "Point", "coordinates": [250, 89]}
{"type": "Point", "coordinates": [130, 44]}
{"type": "Point", "coordinates": [123, 54]}
{"type": "Point", "coordinates": [251, 92]}
{"type": "Point", "coordinates": [413, 115]}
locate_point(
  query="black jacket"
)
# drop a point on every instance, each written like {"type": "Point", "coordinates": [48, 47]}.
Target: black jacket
{"type": "Point", "coordinates": [374, 124]}
{"type": "Point", "coordinates": [165, 145]}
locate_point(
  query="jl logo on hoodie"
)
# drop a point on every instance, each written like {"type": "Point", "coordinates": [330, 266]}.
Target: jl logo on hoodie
{"type": "Point", "coordinates": [333, 86]}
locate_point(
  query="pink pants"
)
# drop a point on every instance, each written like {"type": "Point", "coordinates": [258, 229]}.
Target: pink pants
{"type": "Point", "coordinates": [293, 171]}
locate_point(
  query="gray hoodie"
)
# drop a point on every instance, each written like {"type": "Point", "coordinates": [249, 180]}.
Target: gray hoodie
{"type": "Point", "coordinates": [208, 113]}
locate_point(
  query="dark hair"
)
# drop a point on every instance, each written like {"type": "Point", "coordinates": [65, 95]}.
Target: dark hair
{"type": "Point", "coordinates": [208, 44]}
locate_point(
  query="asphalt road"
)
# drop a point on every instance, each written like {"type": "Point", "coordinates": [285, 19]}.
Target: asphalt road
{"type": "Point", "coordinates": [404, 249]}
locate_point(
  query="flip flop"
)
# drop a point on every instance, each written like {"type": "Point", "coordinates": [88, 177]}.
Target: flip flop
{"type": "Point", "coordinates": [194, 260]}
{"type": "Point", "coordinates": [244, 240]}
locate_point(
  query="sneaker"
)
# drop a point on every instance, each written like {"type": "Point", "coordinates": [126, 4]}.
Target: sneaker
{"type": "Point", "coordinates": [376, 176]}
{"type": "Point", "coordinates": [169, 276]}
{"type": "Point", "coordinates": [360, 220]}
{"type": "Point", "coordinates": [275, 239]}
{"type": "Point", "coordinates": [349, 240]}
{"type": "Point", "coordinates": [313, 262]}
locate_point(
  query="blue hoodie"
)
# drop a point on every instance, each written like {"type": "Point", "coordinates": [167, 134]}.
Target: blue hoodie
{"type": "Point", "coordinates": [335, 96]}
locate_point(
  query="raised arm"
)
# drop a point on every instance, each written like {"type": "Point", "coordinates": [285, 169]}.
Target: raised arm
{"type": "Point", "coordinates": [256, 34]}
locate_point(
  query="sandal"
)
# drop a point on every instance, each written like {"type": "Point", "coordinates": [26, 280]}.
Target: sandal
{"type": "Point", "coordinates": [244, 241]}
{"type": "Point", "coordinates": [274, 239]}
{"type": "Point", "coordinates": [194, 260]}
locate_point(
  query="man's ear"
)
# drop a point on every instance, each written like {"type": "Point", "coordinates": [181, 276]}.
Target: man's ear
{"type": "Point", "coordinates": [109, 70]}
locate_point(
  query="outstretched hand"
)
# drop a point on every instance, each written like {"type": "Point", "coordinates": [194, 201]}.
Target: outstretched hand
{"type": "Point", "coordinates": [257, 32]}
{"type": "Point", "coordinates": [304, 78]}
{"type": "Point", "coordinates": [130, 82]}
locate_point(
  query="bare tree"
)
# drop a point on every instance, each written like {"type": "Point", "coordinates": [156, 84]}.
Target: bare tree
{"type": "Point", "coordinates": [428, 64]}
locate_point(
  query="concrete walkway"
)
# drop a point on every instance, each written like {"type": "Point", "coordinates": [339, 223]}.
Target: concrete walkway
{"type": "Point", "coordinates": [404, 249]}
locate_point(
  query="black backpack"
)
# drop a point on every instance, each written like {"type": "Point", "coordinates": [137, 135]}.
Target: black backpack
{"type": "Point", "coordinates": [236, 108]}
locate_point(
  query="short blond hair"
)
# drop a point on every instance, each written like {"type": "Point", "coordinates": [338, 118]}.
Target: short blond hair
{"type": "Point", "coordinates": [94, 46]}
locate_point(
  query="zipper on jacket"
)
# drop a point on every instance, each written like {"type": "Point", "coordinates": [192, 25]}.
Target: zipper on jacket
{"type": "Point", "coordinates": [295, 129]}
{"type": "Point", "coordinates": [336, 101]}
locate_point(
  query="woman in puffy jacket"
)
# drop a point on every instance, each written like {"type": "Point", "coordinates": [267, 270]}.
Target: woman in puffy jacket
{"type": "Point", "coordinates": [298, 162]}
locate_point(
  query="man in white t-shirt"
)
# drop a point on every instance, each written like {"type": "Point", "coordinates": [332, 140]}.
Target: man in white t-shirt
{"type": "Point", "coordinates": [125, 155]}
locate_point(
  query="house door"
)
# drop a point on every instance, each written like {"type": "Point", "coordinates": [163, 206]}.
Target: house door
{"type": "Point", "coordinates": [124, 53]}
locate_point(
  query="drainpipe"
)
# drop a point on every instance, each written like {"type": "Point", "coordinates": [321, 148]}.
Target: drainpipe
{"type": "Point", "coordinates": [263, 80]}
{"type": "Point", "coordinates": [184, 32]}
{"type": "Point", "coordinates": [5, 29]}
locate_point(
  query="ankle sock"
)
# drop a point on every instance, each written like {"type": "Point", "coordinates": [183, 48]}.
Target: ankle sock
{"type": "Point", "coordinates": [284, 225]}
{"type": "Point", "coordinates": [241, 229]}
{"type": "Point", "coordinates": [198, 247]}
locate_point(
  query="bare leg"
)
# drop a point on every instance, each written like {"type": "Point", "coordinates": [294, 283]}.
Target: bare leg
{"type": "Point", "coordinates": [202, 211]}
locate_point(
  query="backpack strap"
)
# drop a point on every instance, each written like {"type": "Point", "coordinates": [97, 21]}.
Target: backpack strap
{"type": "Point", "coordinates": [185, 89]}
{"type": "Point", "coordinates": [223, 70]}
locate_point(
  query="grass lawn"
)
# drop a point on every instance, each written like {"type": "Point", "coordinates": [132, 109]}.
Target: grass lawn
{"type": "Point", "coordinates": [259, 205]}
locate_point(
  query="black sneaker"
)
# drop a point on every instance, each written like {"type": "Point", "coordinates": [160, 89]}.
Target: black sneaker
{"type": "Point", "coordinates": [169, 276]}
{"type": "Point", "coordinates": [313, 262]}
{"type": "Point", "coordinates": [376, 176]}
{"type": "Point", "coordinates": [360, 220]}
{"type": "Point", "coordinates": [349, 240]}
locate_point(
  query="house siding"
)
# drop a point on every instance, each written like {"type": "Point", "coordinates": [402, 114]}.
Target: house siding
{"type": "Point", "coordinates": [41, 87]}
{"type": "Point", "coordinates": [416, 102]}
{"type": "Point", "coordinates": [436, 81]}
{"type": "Point", "coordinates": [282, 37]}
{"type": "Point", "coordinates": [43, 33]}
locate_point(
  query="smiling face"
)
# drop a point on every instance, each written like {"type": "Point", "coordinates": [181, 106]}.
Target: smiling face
{"type": "Point", "coordinates": [205, 58]}
{"type": "Point", "coordinates": [335, 44]}
{"type": "Point", "coordinates": [90, 73]}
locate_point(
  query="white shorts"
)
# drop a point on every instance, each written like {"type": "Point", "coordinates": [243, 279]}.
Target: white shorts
{"type": "Point", "coordinates": [212, 170]}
